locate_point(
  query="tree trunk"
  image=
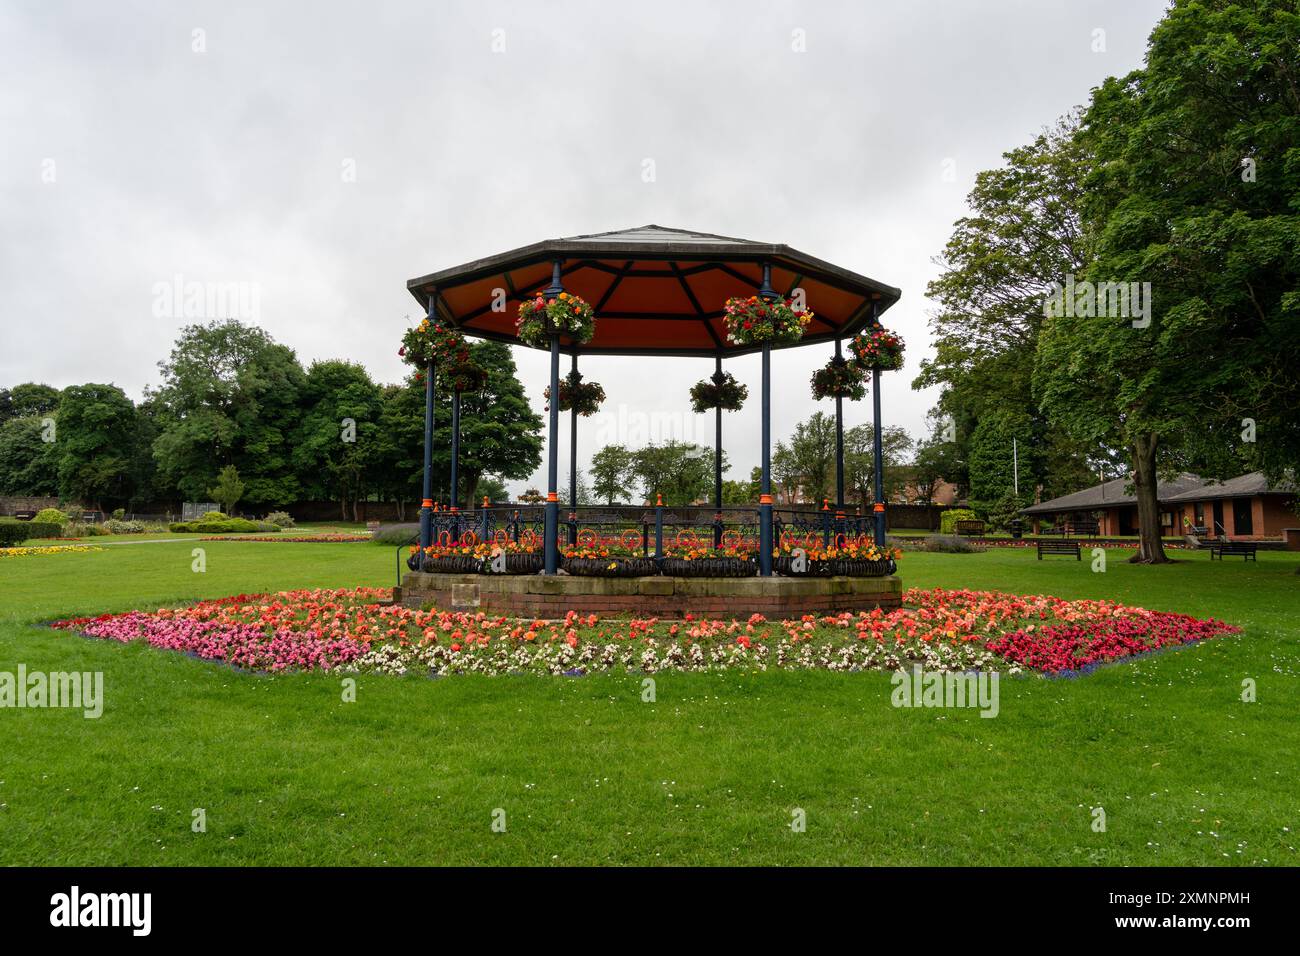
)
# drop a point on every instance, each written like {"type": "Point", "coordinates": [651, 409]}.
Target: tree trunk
{"type": "Point", "coordinates": [1151, 549]}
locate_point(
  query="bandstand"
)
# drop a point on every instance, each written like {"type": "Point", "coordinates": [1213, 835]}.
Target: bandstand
{"type": "Point", "coordinates": [654, 292]}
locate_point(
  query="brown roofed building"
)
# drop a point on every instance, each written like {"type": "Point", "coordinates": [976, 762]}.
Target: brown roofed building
{"type": "Point", "coordinates": [1245, 508]}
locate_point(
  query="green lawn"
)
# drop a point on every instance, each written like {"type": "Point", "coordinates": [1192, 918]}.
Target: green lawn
{"type": "Point", "coordinates": [586, 773]}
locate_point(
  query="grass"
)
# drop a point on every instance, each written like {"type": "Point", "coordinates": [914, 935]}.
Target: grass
{"type": "Point", "coordinates": [710, 773]}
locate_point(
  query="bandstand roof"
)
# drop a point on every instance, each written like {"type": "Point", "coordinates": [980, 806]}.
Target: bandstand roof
{"type": "Point", "coordinates": [655, 290]}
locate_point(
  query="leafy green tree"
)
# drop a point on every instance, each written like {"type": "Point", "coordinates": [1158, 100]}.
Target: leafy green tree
{"type": "Point", "coordinates": [228, 489]}
{"type": "Point", "coordinates": [29, 399]}
{"type": "Point", "coordinates": [397, 467]}
{"type": "Point", "coordinates": [611, 473]}
{"type": "Point", "coordinates": [1196, 174]}
{"type": "Point", "coordinates": [993, 454]}
{"type": "Point", "coordinates": [859, 462]}
{"type": "Point", "coordinates": [29, 464]}
{"type": "Point", "coordinates": [96, 429]}
{"type": "Point", "coordinates": [494, 489]}
{"type": "Point", "coordinates": [1023, 234]}
{"type": "Point", "coordinates": [500, 433]}
{"type": "Point", "coordinates": [230, 395]}
{"type": "Point", "coordinates": [681, 471]}
{"type": "Point", "coordinates": [337, 442]}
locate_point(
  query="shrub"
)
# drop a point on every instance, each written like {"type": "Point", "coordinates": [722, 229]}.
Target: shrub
{"type": "Point", "coordinates": [212, 516]}
{"type": "Point", "coordinates": [281, 519]}
{"type": "Point", "coordinates": [52, 516]}
{"type": "Point", "coordinates": [951, 544]}
{"type": "Point", "coordinates": [118, 526]}
{"type": "Point", "coordinates": [78, 529]}
{"type": "Point", "coordinates": [119, 514]}
{"type": "Point", "coordinates": [395, 534]}
{"type": "Point", "coordinates": [949, 519]}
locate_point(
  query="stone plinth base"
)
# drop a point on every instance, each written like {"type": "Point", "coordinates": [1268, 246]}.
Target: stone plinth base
{"type": "Point", "coordinates": [552, 596]}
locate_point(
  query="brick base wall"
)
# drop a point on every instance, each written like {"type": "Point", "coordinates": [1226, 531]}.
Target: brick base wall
{"type": "Point", "coordinates": [549, 597]}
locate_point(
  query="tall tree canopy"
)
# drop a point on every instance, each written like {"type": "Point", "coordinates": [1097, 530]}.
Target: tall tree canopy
{"type": "Point", "coordinates": [1194, 189]}
{"type": "Point", "coordinates": [96, 430]}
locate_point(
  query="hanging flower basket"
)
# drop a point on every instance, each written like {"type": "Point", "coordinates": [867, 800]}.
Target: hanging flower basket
{"type": "Point", "coordinates": [433, 340]}
{"type": "Point", "coordinates": [878, 348]}
{"type": "Point", "coordinates": [575, 394]}
{"type": "Point", "coordinates": [839, 379]}
{"type": "Point", "coordinates": [755, 320]}
{"type": "Point", "coordinates": [567, 315]}
{"type": "Point", "coordinates": [467, 376]}
{"type": "Point", "coordinates": [721, 390]}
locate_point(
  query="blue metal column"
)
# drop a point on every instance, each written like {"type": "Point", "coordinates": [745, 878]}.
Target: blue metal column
{"type": "Point", "coordinates": [551, 526]}
{"type": "Point", "coordinates": [455, 465]}
{"type": "Point", "coordinates": [426, 505]}
{"type": "Point", "coordinates": [573, 462]}
{"type": "Point", "coordinates": [878, 455]}
{"type": "Point", "coordinates": [840, 528]}
{"type": "Point", "coordinates": [765, 485]}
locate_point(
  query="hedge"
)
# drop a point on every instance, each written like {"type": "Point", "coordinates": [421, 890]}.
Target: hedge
{"type": "Point", "coordinates": [13, 532]}
{"type": "Point", "coordinates": [228, 526]}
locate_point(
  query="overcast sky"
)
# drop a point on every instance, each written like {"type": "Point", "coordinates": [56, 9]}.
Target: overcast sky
{"type": "Point", "coordinates": [324, 153]}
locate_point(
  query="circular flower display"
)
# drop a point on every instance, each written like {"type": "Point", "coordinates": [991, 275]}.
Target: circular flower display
{"type": "Point", "coordinates": [575, 394]}
{"type": "Point", "coordinates": [755, 320]}
{"type": "Point", "coordinates": [878, 348]}
{"type": "Point", "coordinates": [432, 340]}
{"type": "Point", "coordinates": [719, 391]}
{"type": "Point", "coordinates": [839, 379]}
{"type": "Point", "coordinates": [568, 315]}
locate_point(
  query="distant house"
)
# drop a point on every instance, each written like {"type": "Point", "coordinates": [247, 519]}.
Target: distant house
{"type": "Point", "coordinates": [1246, 507]}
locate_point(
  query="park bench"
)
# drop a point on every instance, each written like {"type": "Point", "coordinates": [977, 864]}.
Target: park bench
{"type": "Point", "coordinates": [1059, 547]}
{"type": "Point", "coordinates": [968, 527]}
{"type": "Point", "coordinates": [1246, 549]}
{"type": "Point", "coordinates": [24, 515]}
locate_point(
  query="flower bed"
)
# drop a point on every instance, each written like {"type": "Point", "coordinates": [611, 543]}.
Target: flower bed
{"type": "Point", "coordinates": [299, 539]}
{"type": "Point", "coordinates": [52, 549]}
{"type": "Point", "coordinates": [851, 559]}
{"type": "Point", "coordinates": [606, 561]}
{"type": "Point", "coordinates": [940, 630]}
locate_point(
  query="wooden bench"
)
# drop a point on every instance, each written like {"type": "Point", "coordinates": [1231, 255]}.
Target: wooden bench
{"type": "Point", "coordinates": [1246, 549]}
{"type": "Point", "coordinates": [1059, 547]}
{"type": "Point", "coordinates": [24, 515]}
{"type": "Point", "coordinates": [968, 527]}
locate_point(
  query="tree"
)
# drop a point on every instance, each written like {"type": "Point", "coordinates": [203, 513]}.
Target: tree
{"type": "Point", "coordinates": [937, 460]}
{"type": "Point", "coordinates": [500, 434]}
{"type": "Point", "coordinates": [1024, 233]}
{"type": "Point", "coordinates": [29, 399]}
{"type": "Point", "coordinates": [681, 471]}
{"type": "Point", "coordinates": [228, 489]}
{"type": "Point", "coordinates": [812, 457]}
{"type": "Point", "coordinates": [230, 395]}
{"type": "Point", "coordinates": [1192, 197]}
{"type": "Point", "coordinates": [493, 489]}
{"type": "Point", "coordinates": [993, 455]}
{"type": "Point", "coordinates": [859, 462]}
{"type": "Point", "coordinates": [612, 474]}
{"type": "Point", "coordinates": [96, 428]}
{"type": "Point", "coordinates": [29, 463]}
{"type": "Point", "coordinates": [337, 440]}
